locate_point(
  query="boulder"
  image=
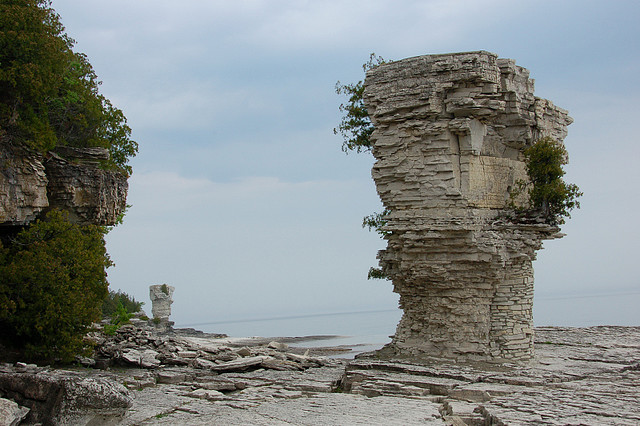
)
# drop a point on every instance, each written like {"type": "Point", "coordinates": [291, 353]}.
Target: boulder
{"type": "Point", "coordinates": [11, 414]}
{"type": "Point", "coordinates": [142, 358]}
{"type": "Point", "coordinates": [64, 397]}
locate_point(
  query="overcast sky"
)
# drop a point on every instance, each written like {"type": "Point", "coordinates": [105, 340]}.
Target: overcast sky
{"type": "Point", "coordinates": [241, 197]}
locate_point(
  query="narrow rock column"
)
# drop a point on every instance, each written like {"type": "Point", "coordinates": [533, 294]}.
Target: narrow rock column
{"type": "Point", "coordinates": [450, 131]}
{"type": "Point", "coordinates": [161, 300]}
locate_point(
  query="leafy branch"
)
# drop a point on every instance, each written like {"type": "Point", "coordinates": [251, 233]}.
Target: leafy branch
{"type": "Point", "coordinates": [548, 195]}
{"type": "Point", "coordinates": [356, 127]}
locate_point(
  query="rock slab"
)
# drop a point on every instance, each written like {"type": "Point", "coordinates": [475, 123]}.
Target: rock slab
{"type": "Point", "coordinates": [59, 397]}
{"type": "Point", "coordinates": [578, 376]}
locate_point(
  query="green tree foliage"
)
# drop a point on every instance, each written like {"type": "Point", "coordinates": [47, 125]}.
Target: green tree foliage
{"type": "Point", "coordinates": [376, 221]}
{"type": "Point", "coordinates": [356, 127]}
{"type": "Point", "coordinates": [548, 194]}
{"type": "Point", "coordinates": [52, 285]}
{"type": "Point", "coordinates": [116, 298]}
{"type": "Point", "coordinates": [48, 93]}
{"type": "Point", "coordinates": [119, 317]}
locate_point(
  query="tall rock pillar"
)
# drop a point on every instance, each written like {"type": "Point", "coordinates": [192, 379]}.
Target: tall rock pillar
{"type": "Point", "coordinates": [449, 136]}
{"type": "Point", "coordinates": [161, 299]}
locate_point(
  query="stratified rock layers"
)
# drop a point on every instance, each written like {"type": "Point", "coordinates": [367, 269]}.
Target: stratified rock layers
{"type": "Point", "coordinates": [449, 136]}
{"type": "Point", "coordinates": [69, 179]}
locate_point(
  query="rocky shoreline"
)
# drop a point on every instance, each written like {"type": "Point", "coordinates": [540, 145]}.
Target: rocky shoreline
{"type": "Point", "coordinates": [142, 377]}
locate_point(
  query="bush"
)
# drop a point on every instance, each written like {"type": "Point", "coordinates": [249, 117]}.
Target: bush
{"type": "Point", "coordinates": [356, 127]}
{"type": "Point", "coordinates": [49, 94]}
{"type": "Point", "coordinates": [52, 284]}
{"type": "Point", "coordinates": [356, 130]}
{"type": "Point", "coordinates": [119, 318]}
{"type": "Point", "coordinates": [548, 194]}
{"type": "Point", "coordinates": [115, 298]}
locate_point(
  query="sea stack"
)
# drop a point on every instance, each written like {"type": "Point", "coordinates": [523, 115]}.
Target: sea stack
{"type": "Point", "coordinates": [161, 300]}
{"type": "Point", "coordinates": [450, 131]}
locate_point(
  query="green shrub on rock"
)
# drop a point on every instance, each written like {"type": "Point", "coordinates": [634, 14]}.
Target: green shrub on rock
{"type": "Point", "coordinates": [548, 194]}
{"type": "Point", "coordinates": [52, 284]}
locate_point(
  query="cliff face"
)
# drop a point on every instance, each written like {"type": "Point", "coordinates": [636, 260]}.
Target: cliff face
{"type": "Point", "coordinates": [23, 186]}
{"type": "Point", "coordinates": [68, 179]}
{"type": "Point", "coordinates": [448, 141]}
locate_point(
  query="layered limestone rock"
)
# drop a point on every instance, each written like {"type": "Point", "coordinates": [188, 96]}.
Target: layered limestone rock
{"type": "Point", "coordinates": [80, 186]}
{"type": "Point", "coordinates": [161, 300]}
{"type": "Point", "coordinates": [55, 397]}
{"type": "Point", "coordinates": [449, 136]}
{"type": "Point", "coordinates": [23, 186]}
{"type": "Point", "coordinates": [70, 179]}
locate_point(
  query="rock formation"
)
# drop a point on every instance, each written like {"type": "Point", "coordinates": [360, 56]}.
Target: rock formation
{"type": "Point", "coordinates": [449, 136]}
{"type": "Point", "coordinates": [70, 179]}
{"type": "Point", "coordinates": [587, 376]}
{"type": "Point", "coordinates": [161, 300]}
{"type": "Point", "coordinates": [56, 397]}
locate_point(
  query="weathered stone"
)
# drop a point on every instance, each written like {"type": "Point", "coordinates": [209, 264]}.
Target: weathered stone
{"type": "Point", "coordinates": [11, 414]}
{"type": "Point", "coordinates": [187, 354]}
{"type": "Point", "coordinates": [23, 185]}
{"type": "Point", "coordinates": [171, 377]}
{"type": "Point", "coordinates": [161, 300]}
{"type": "Point", "coordinates": [283, 365]}
{"type": "Point", "coordinates": [243, 352]}
{"type": "Point", "coordinates": [91, 194]}
{"type": "Point", "coordinates": [31, 184]}
{"type": "Point", "coordinates": [578, 376]}
{"type": "Point", "coordinates": [209, 394]}
{"type": "Point", "coordinates": [449, 136]}
{"type": "Point", "coordinates": [64, 398]}
{"type": "Point", "coordinates": [240, 364]}
{"type": "Point", "coordinates": [278, 346]}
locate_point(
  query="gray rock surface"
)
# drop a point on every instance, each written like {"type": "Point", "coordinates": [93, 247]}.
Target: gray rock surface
{"type": "Point", "coordinates": [161, 299]}
{"type": "Point", "coordinates": [578, 376]}
{"type": "Point", "coordinates": [23, 185]}
{"type": "Point", "coordinates": [60, 397]}
{"type": "Point", "coordinates": [11, 414]}
{"type": "Point", "coordinates": [449, 136]}
{"type": "Point", "coordinates": [77, 184]}
{"type": "Point", "coordinates": [71, 180]}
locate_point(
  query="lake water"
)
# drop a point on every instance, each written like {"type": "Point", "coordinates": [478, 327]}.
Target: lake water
{"type": "Point", "coordinates": [363, 331]}
{"type": "Point", "coordinates": [370, 330]}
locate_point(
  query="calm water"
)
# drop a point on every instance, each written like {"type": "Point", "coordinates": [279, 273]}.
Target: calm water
{"type": "Point", "coordinates": [365, 330]}
{"type": "Point", "coordinates": [371, 330]}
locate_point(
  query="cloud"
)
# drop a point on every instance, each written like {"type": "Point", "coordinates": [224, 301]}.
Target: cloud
{"type": "Point", "coordinates": [242, 198]}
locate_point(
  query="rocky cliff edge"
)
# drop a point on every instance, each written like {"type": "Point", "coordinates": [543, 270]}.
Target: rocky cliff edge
{"type": "Point", "coordinates": [69, 179]}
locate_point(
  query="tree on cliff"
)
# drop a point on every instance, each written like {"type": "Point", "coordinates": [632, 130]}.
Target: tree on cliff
{"type": "Point", "coordinates": [48, 93]}
{"type": "Point", "coordinates": [52, 286]}
{"type": "Point", "coordinates": [356, 129]}
{"type": "Point", "coordinates": [548, 194]}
